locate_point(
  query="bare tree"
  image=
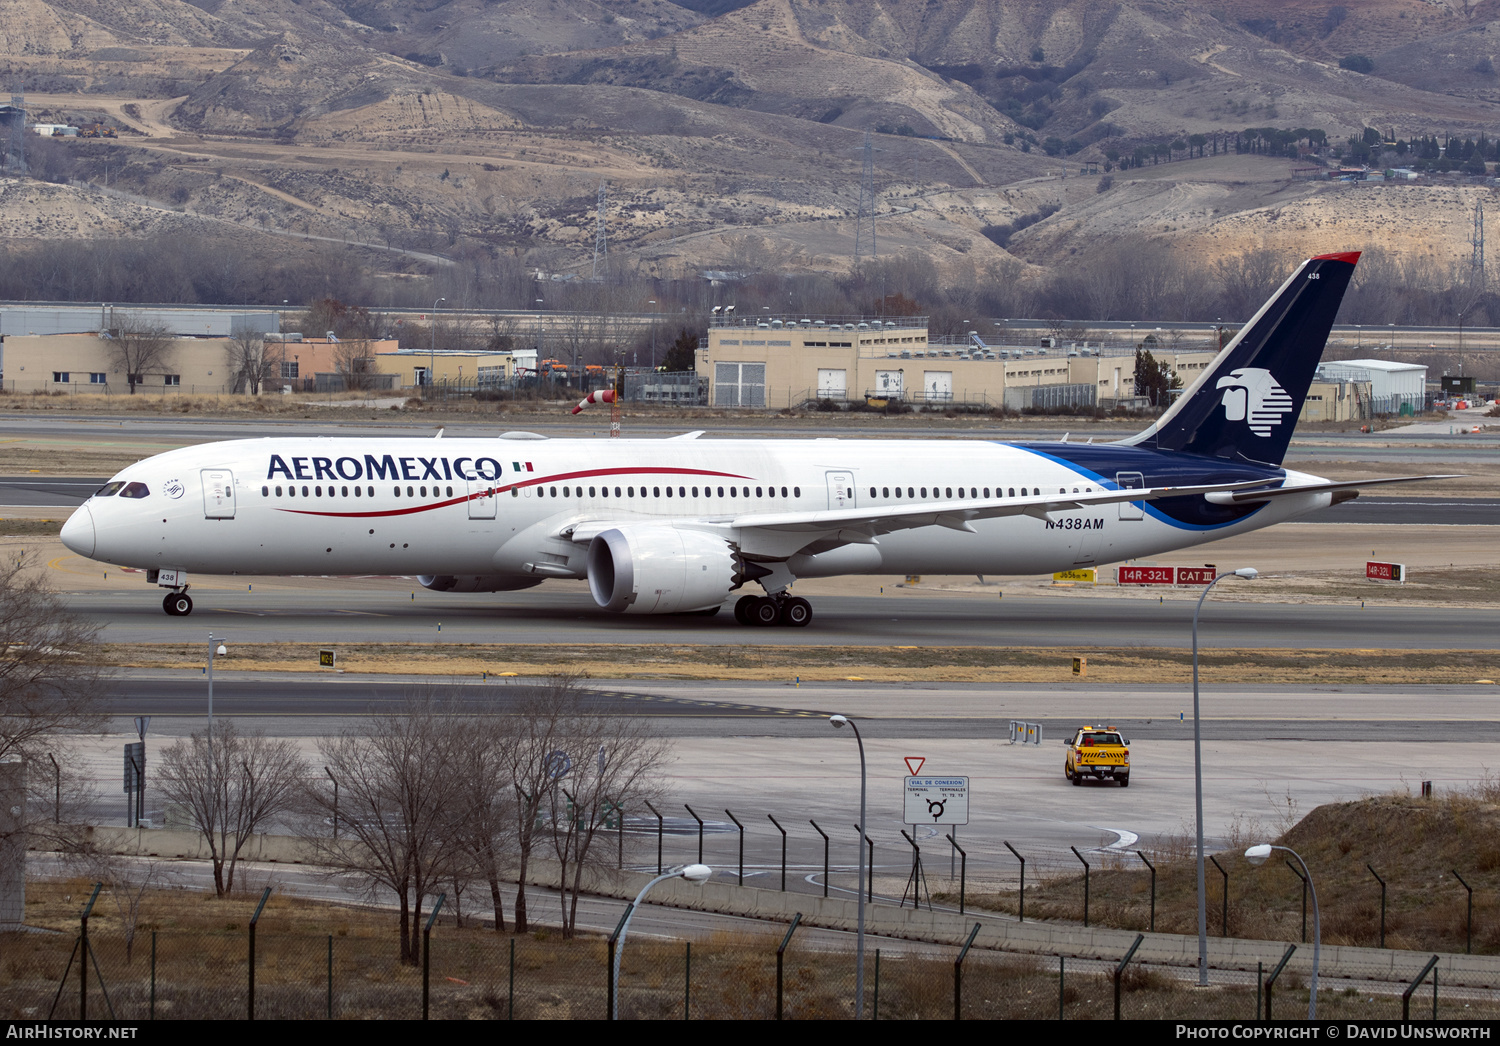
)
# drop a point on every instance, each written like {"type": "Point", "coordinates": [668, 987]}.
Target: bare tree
{"type": "Point", "coordinates": [537, 758]}
{"type": "Point", "coordinates": [253, 361]}
{"type": "Point", "coordinates": [50, 674]}
{"type": "Point", "coordinates": [488, 828]}
{"type": "Point", "coordinates": [401, 802]}
{"type": "Point", "coordinates": [139, 347]}
{"type": "Point", "coordinates": [351, 361]}
{"type": "Point", "coordinates": [616, 763]}
{"type": "Point", "coordinates": [233, 785]}
{"type": "Point", "coordinates": [128, 879]}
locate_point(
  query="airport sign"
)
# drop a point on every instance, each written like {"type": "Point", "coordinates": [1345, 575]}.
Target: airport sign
{"type": "Point", "coordinates": [937, 800]}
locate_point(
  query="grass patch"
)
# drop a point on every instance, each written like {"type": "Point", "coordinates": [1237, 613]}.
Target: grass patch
{"type": "Point", "coordinates": [30, 527]}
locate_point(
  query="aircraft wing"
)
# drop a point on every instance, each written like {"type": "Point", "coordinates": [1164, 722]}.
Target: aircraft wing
{"type": "Point", "coordinates": [1242, 497]}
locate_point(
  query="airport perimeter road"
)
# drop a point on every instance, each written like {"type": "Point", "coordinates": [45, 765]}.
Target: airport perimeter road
{"type": "Point", "coordinates": [564, 613]}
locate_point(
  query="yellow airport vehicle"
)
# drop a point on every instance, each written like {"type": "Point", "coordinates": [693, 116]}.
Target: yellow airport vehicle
{"type": "Point", "coordinates": [1099, 752]}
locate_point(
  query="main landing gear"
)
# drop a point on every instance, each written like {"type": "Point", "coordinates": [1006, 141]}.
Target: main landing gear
{"type": "Point", "coordinates": [178, 604]}
{"type": "Point", "coordinates": [780, 609]}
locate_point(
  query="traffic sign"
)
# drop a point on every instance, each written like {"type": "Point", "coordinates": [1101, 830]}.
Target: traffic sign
{"type": "Point", "coordinates": [917, 759]}
{"type": "Point", "coordinates": [937, 800]}
{"type": "Point", "coordinates": [326, 658]}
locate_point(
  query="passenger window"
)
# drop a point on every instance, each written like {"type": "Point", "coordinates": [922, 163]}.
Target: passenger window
{"type": "Point", "coordinates": [304, 492]}
{"type": "Point", "coordinates": [898, 493]}
{"type": "Point", "coordinates": [885, 492]}
{"type": "Point", "coordinates": [986, 491]}
{"type": "Point", "coordinates": [1012, 492]}
{"type": "Point", "coordinates": [370, 491]}
{"type": "Point", "coordinates": [318, 491]}
{"type": "Point", "coordinates": [796, 492]}
{"type": "Point", "coordinates": [135, 490]}
{"type": "Point", "coordinates": [617, 492]}
{"type": "Point", "coordinates": [783, 492]}
{"type": "Point", "coordinates": [357, 492]}
{"type": "Point", "coordinates": [655, 492]}
{"type": "Point", "coordinates": [758, 492]}
{"type": "Point", "coordinates": [721, 492]}
{"type": "Point", "coordinates": [278, 492]}
{"type": "Point", "coordinates": [591, 492]}
{"type": "Point", "coordinates": [631, 491]}
{"type": "Point", "coordinates": [924, 492]}
{"type": "Point", "coordinates": [681, 491]}
{"type": "Point", "coordinates": [345, 491]}
{"type": "Point", "coordinates": [910, 493]}
{"type": "Point", "coordinates": [948, 492]}
{"type": "Point", "coordinates": [265, 492]}
{"type": "Point", "coordinates": [669, 492]}
{"type": "Point", "coordinates": [410, 493]}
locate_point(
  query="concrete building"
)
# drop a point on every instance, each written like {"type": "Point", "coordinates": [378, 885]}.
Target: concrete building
{"type": "Point", "coordinates": [91, 363]}
{"type": "Point", "coordinates": [90, 319]}
{"type": "Point", "coordinates": [1336, 401]}
{"type": "Point", "coordinates": [1395, 388]}
{"type": "Point", "coordinates": [414, 368]}
{"type": "Point", "coordinates": [775, 364]}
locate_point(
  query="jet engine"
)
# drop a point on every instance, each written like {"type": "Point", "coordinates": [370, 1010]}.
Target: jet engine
{"type": "Point", "coordinates": [476, 582]}
{"type": "Point", "coordinates": [659, 570]}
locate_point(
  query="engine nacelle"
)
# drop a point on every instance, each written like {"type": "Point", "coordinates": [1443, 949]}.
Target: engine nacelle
{"type": "Point", "coordinates": [476, 582]}
{"type": "Point", "coordinates": [659, 570]}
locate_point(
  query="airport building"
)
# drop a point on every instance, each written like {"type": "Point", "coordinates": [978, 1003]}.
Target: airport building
{"type": "Point", "coordinates": [1395, 388]}
{"type": "Point", "coordinates": [1337, 401]}
{"type": "Point", "coordinates": [774, 364]}
{"type": "Point", "coordinates": [72, 363]}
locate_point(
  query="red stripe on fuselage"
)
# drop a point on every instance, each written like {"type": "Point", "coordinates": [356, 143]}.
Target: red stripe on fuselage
{"type": "Point", "coordinates": [589, 473]}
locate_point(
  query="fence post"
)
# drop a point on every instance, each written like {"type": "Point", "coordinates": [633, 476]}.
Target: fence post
{"type": "Point", "coordinates": [153, 975]}
{"type": "Point", "coordinates": [1021, 897]}
{"type": "Point", "coordinates": [1085, 885]}
{"type": "Point", "coordinates": [510, 1001]}
{"type": "Point", "coordinates": [1469, 918]}
{"type": "Point", "coordinates": [1260, 984]}
{"type": "Point", "coordinates": [958, 975]}
{"type": "Point", "coordinates": [687, 980]}
{"type": "Point", "coordinates": [330, 976]}
{"type": "Point", "coordinates": [783, 850]}
{"type": "Point", "coordinates": [875, 1003]}
{"type": "Point", "coordinates": [253, 920]}
{"type": "Point", "coordinates": [1381, 881]}
{"type": "Point", "coordinates": [1062, 977]}
{"type": "Point", "coordinates": [741, 827]}
{"type": "Point", "coordinates": [825, 853]}
{"type": "Point", "coordinates": [427, 951]}
{"type": "Point", "coordinates": [620, 835]}
{"type": "Point", "coordinates": [963, 872]}
{"type": "Point", "coordinates": [1223, 918]}
{"type": "Point", "coordinates": [1298, 873]}
{"type": "Point", "coordinates": [610, 961]}
{"type": "Point", "coordinates": [1120, 970]}
{"type": "Point", "coordinates": [1151, 926]}
{"type": "Point", "coordinates": [780, 952]}
{"type": "Point", "coordinates": [83, 964]}
{"type": "Point", "coordinates": [1271, 980]}
{"type": "Point", "coordinates": [700, 831]}
{"type": "Point", "coordinates": [1406, 995]}
{"type": "Point", "coordinates": [658, 834]}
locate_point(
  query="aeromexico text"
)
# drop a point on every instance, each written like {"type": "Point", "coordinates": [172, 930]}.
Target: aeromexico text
{"type": "Point", "coordinates": [387, 466]}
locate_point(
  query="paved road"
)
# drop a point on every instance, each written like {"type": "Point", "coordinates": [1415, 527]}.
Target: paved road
{"type": "Point", "coordinates": [563, 612]}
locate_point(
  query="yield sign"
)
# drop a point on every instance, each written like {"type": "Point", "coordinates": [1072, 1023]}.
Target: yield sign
{"type": "Point", "coordinates": [914, 764]}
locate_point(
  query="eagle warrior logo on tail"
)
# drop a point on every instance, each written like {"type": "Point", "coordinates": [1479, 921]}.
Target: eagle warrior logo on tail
{"type": "Point", "coordinates": [1253, 396]}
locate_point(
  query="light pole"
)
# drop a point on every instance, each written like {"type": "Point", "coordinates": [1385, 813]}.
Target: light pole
{"type": "Point", "coordinates": [1257, 855]}
{"type": "Point", "coordinates": [697, 874]}
{"type": "Point", "coordinates": [654, 318]}
{"type": "Point", "coordinates": [838, 722]}
{"type": "Point", "coordinates": [432, 340]}
{"type": "Point", "coordinates": [1247, 573]}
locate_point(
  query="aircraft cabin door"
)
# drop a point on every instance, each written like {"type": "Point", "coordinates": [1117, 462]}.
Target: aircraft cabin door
{"type": "Point", "coordinates": [218, 494]}
{"type": "Point", "coordinates": [1131, 481]}
{"type": "Point", "coordinates": [481, 498]}
{"type": "Point", "coordinates": [841, 490]}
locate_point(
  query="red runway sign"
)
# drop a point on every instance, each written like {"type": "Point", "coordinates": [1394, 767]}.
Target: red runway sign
{"type": "Point", "coordinates": [1385, 571]}
{"type": "Point", "coordinates": [1147, 576]}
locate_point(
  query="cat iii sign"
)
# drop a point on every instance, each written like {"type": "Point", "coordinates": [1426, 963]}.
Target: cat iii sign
{"type": "Point", "coordinates": [937, 800]}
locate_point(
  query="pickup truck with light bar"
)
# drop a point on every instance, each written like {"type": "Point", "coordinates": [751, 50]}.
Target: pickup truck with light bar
{"type": "Point", "coordinates": [1100, 753]}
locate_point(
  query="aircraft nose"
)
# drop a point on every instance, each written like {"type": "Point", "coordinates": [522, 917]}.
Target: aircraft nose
{"type": "Point", "coordinates": [78, 532]}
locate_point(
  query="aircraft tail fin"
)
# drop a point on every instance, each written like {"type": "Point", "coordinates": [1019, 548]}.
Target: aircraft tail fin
{"type": "Point", "coordinates": [1245, 404]}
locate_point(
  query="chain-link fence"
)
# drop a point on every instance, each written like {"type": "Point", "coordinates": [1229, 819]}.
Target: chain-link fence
{"type": "Point", "coordinates": [473, 973]}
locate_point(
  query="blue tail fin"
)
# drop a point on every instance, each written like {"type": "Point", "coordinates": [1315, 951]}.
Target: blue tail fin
{"type": "Point", "coordinates": [1245, 405]}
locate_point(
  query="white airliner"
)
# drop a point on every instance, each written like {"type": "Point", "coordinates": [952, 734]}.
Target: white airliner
{"type": "Point", "coordinates": [678, 525]}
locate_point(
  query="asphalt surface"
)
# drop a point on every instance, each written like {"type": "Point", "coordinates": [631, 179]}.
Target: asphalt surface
{"type": "Point", "coordinates": [563, 612]}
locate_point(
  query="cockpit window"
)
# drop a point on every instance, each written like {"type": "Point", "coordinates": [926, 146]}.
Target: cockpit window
{"type": "Point", "coordinates": [135, 490]}
{"type": "Point", "coordinates": [109, 490]}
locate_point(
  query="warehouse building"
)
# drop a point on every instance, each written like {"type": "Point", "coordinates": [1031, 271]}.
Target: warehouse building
{"type": "Point", "coordinates": [774, 364]}
{"type": "Point", "coordinates": [1395, 388]}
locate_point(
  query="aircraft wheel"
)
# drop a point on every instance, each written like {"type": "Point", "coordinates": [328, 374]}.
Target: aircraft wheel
{"type": "Point", "coordinates": [796, 612]}
{"type": "Point", "coordinates": [765, 612]}
{"type": "Point", "coordinates": [178, 604]}
{"type": "Point", "coordinates": [742, 609]}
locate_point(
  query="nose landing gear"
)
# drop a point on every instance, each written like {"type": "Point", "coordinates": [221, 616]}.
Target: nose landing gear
{"type": "Point", "coordinates": [177, 604]}
{"type": "Point", "coordinates": [779, 609]}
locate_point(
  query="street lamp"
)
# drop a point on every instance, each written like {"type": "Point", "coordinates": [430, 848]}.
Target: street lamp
{"type": "Point", "coordinates": [654, 317]}
{"type": "Point", "coordinates": [432, 342]}
{"type": "Point", "coordinates": [222, 650]}
{"type": "Point", "coordinates": [697, 874]}
{"type": "Point", "coordinates": [1257, 855]}
{"type": "Point", "coordinates": [840, 722]}
{"type": "Point", "coordinates": [1248, 573]}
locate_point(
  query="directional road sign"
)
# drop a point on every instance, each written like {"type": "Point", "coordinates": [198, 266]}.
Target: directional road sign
{"type": "Point", "coordinates": [937, 800]}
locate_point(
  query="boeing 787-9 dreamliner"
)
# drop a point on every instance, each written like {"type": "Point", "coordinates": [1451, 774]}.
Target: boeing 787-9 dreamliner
{"type": "Point", "coordinates": [672, 526]}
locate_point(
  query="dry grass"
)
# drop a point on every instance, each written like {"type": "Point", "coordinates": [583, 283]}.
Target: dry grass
{"type": "Point", "coordinates": [890, 663]}
{"type": "Point", "coordinates": [1414, 844]}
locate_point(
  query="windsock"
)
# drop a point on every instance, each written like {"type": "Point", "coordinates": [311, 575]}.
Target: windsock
{"type": "Point", "coordinates": [597, 396]}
